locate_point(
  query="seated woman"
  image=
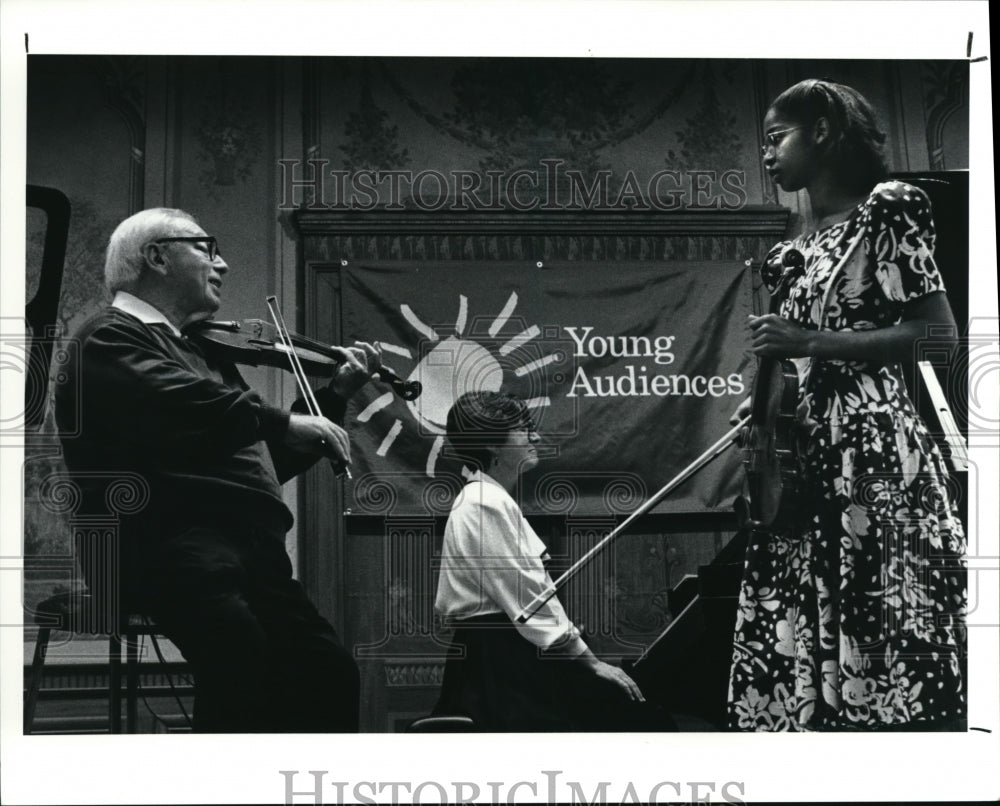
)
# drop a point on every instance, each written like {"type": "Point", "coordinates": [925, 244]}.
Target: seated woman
{"type": "Point", "coordinates": [506, 676]}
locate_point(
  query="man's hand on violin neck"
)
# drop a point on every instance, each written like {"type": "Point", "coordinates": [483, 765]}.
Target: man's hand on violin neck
{"type": "Point", "coordinates": [360, 362]}
{"type": "Point", "coordinates": [318, 435]}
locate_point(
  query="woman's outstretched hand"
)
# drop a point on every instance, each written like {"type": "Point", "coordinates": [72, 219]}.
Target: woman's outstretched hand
{"type": "Point", "coordinates": [616, 675]}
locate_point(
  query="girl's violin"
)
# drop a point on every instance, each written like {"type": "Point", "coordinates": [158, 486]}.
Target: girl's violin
{"type": "Point", "coordinates": [772, 477]}
{"type": "Point", "coordinates": [254, 342]}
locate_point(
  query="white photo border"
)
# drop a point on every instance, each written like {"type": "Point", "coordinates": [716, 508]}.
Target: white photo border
{"type": "Point", "coordinates": [246, 769]}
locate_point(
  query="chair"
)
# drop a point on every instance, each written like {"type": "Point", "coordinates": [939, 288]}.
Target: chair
{"type": "Point", "coordinates": [442, 724]}
{"type": "Point", "coordinates": [95, 606]}
{"type": "Point", "coordinates": [95, 537]}
{"type": "Point", "coordinates": [82, 613]}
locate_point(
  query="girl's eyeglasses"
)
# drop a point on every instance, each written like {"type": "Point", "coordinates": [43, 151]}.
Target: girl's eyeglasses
{"type": "Point", "coordinates": [774, 139]}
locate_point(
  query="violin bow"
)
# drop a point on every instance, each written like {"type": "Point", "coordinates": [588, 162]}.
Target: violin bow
{"type": "Point", "coordinates": [952, 434]}
{"type": "Point", "coordinates": [717, 448]}
{"type": "Point", "coordinates": [297, 370]}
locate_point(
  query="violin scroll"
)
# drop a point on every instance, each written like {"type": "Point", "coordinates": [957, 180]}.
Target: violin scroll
{"type": "Point", "coordinates": [408, 390]}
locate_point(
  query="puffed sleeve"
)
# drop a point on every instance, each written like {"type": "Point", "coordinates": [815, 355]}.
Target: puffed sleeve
{"type": "Point", "coordinates": [900, 241]}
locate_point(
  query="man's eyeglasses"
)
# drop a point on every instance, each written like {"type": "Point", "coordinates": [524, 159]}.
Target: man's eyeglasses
{"type": "Point", "coordinates": [774, 139]}
{"type": "Point", "coordinates": [211, 247]}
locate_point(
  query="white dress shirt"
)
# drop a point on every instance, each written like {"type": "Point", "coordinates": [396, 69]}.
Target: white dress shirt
{"type": "Point", "coordinates": [491, 563]}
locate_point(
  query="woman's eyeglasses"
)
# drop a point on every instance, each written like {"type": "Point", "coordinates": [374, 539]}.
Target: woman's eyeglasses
{"type": "Point", "coordinates": [211, 247]}
{"type": "Point", "coordinates": [774, 139]}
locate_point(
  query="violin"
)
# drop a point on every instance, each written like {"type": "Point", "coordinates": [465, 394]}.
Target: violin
{"type": "Point", "coordinates": [771, 489]}
{"type": "Point", "coordinates": [254, 342]}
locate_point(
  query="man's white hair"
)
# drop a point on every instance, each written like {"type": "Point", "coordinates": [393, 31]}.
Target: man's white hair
{"type": "Point", "coordinates": [124, 261]}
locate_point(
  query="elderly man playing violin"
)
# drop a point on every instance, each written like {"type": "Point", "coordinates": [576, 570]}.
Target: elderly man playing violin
{"type": "Point", "coordinates": [205, 556]}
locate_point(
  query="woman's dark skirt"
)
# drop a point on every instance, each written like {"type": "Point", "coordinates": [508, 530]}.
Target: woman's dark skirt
{"type": "Point", "coordinates": [504, 683]}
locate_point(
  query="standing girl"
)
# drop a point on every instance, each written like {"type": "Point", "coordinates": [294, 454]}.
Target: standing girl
{"type": "Point", "coordinates": [853, 619]}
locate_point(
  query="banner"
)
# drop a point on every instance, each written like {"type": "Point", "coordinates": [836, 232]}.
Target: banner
{"type": "Point", "coordinates": [631, 371]}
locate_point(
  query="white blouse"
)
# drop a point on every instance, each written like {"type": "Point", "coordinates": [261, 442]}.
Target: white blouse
{"type": "Point", "coordinates": [491, 563]}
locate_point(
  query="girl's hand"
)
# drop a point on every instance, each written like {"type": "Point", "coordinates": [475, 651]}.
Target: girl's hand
{"type": "Point", "coordinates": [774, 336]}
{"type": "Point", "coordinates": [742, 411]}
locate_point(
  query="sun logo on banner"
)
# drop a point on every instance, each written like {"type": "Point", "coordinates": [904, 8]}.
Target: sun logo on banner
{"type": "Point", "coordinates": [452, 366]}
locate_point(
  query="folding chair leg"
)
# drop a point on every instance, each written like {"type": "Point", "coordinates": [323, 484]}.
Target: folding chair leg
{"type": "Point", "coordinates": [115, 683]}
{"type": "Point", "coordinates": [131, 679]}
{"type": "Point", "coordinates": [35, 677]}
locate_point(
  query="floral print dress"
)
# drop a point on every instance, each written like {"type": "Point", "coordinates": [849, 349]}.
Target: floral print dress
{"type": "Point", "coordinates": [855, 619]}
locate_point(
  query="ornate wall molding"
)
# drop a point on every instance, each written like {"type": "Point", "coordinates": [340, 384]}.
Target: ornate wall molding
{"type": "Point", "coordinates": [750, 220]}
{"type": "Point", "coordinates": [761, 99]}
{"type": "Point", "coordinates": [945, 92]}
{"type": "Point", "coordinates": [557, 235]}
{"type": "Point", "coordinates": [123, 79]}
{"type": "Point", "coordinates": [507, 126]}
{"type": "Point", "coordinates": [409, 675]}
{"type": "Point", "coordinates": [312, 105]}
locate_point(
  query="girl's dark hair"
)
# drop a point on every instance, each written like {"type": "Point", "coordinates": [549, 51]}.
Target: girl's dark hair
{"type": "Point", "coordinates": [480, 422]}
{"type": "Point", "coordinates": [856, 143]}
